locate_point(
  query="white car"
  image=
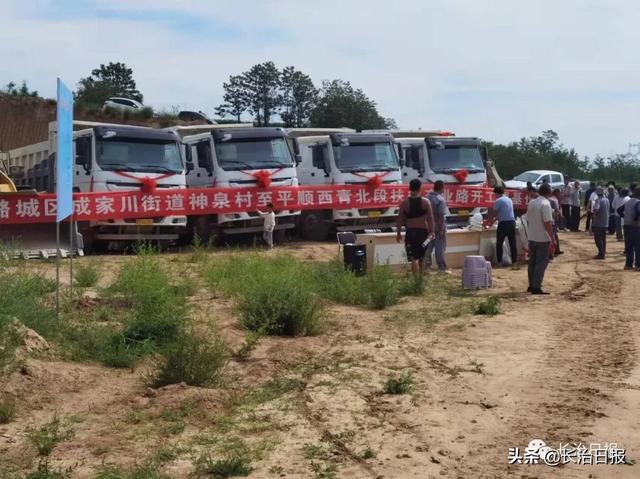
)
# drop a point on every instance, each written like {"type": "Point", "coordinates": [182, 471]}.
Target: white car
{"type": "Point", "coordinates": [122, 103]}
{"type": "Point", "coordinates": [536, 177]}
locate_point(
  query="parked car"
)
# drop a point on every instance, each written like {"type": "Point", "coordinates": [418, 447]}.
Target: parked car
{"type": "Point", "coordinates": [122, 103]}
{"type": "Point", "coordinates": [536, 177]}
{"type": "Point", "coordinates": [190, 116]}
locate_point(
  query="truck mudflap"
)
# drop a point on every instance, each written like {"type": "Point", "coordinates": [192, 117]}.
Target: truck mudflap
{"type": "Point", "coordinates": [33, 241]}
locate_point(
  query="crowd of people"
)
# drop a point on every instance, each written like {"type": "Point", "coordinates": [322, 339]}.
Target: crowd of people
{"type": "Point", "coordinates": [610, 210]}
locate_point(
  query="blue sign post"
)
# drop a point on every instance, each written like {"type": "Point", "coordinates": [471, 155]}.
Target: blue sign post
{"type": "Point", "coordinates": [64, 155]}
{"type": "Point", "coordinates": [64, 177]}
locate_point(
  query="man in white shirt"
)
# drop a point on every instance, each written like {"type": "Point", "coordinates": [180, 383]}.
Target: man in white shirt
{"type": "Point", "coordinates": [269, 224]}
{"type": "Point", "coordinates": [541, 238]}
{"type": "Point", "coordinates": [618, 201]}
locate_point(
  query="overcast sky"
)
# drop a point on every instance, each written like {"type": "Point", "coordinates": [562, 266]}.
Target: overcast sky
{"type": "Point", "coordinates": [498, 69]}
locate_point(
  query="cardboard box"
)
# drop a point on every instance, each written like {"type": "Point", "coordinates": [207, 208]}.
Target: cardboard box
{"type": "Point", "coordinates": [382, 248]}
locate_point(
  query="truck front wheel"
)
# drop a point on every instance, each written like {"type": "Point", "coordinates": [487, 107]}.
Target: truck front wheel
{"type": "Point", "coordinates": [314, 226]}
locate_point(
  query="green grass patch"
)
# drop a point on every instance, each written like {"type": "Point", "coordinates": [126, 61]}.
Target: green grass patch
{"type": "Point", "coordinates": [192, 359]}
{"type": "Point", "coordinates": [86, 275]}
{"type": "Point", "coordinates": [148, 471]}
{"type": "Point", "coordinates": [403, 384]}
{"type": "Point", "coordinates": [157, 309]}
{"type": "Point", "coordinates": [273, 295]}
{"type": "Point", "coordinates": [7, 409]}
{"type": "Point", "coordinates": [49, 435]}
{"type": "Point", "coordinates": [231, 466]}
{"type": "Point", "coordinates": [488, 307]}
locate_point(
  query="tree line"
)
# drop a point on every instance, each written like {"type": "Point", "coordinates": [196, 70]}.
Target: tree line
{"type": "Point", "coordinates": [546, 152]}
{"type": "Point", "coordinates": [288, 97]}
{"type": "Point", "coordinates": [264, 92]}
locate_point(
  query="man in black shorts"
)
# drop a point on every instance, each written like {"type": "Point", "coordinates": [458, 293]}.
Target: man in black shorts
{"type": "Point", "coordinates": [416, 217]}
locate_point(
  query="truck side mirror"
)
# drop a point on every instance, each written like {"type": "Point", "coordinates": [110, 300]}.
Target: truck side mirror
{"type": "Point", "coordinates": [83, 153]}
{"type": "Point", "coordinates": [485, 154]}
{"type": "Point", "coordinates": [189, 166]}
{"type": "Point", "coordinates": [298, 158]}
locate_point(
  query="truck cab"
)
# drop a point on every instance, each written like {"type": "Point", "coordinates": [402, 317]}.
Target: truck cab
{"type": "Point", "coordinates": [344, 157]}
{"type": "Point", "coordinates": [229, 156]}
{"type": "Point", "coordinates": [111, 158]}
{"type": "Point", "coordinates": [433, 156]}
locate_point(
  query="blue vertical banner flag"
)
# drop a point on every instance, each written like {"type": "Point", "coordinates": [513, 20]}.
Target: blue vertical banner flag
{"type": "Point", "coordinates": [64, 156]}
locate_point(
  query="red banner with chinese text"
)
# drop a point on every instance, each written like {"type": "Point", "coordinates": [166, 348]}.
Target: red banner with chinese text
{"type": "Point", "coordinates": [101, 206]}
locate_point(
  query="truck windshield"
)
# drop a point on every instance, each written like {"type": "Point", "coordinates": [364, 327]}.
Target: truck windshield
{"type": "Point", "coordinates": [366, 157]}
{"type": "Point", "coordinates": [251, 154]}
{"type": "Point", "coordinates": [527, 176]}
{"type": "Point", "coordinates": [134, 154]}
{"type": "Point", "coordinates": [451, 158]}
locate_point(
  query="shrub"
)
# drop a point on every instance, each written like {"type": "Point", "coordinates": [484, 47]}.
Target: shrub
{"type": "Point", "coordinates": [377, 289]}
{"type": "Point", "coordinates": [382, 287]}
{"type": "Point", "coordinates": [275, 295]}
{"type": "Point", "coordinates": [48, 436]}
{"type": "Point", "coordinates": [232, 466]}
{"type": "Point", "coordinates": [23, 297]}
{"type": "Point", "coordinates": [106, 345]}
{"type": "Point", "coordinates": [86, 275]}
{"type": "Point", "coordinates": [400, 385]}
{"type": "Point", "coordinates": [7, 409]}
{"type": "Point", "coordinates": [158, 309]}
{"type": "Point", "coordinates": [191, 359]}
{"type": "Point", "coordinates": [489, 306]}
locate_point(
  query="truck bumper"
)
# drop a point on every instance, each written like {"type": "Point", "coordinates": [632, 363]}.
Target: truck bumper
{"type": "Point", "coordinates": [152, 229]}
{"type": "Point", "coordinates": [364, 219]}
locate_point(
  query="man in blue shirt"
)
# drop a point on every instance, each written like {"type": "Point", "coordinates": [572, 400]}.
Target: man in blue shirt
{"type": "Point", "coordinates": [503, 209]}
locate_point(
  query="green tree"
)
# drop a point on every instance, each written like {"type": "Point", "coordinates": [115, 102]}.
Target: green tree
{"type": "Point", "coordinates": [236, 99]}
{"type": "Point", "coordinates": [11, 89]}
{"type": "Point", "coordinates": [341, 105]}
{"type": "Point", "coordinates": [299, 97]}
{"type": "Point", "coordinates": [114, 79]}
{"type": "Point", "coordinates": [262, 91]}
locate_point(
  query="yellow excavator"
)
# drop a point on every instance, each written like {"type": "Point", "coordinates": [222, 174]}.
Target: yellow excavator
{"type": "Point", "coordinates": [32, 240]}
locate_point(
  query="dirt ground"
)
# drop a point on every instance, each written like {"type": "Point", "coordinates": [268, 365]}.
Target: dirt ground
{"type": "Point", "coordinates": [562, 368]}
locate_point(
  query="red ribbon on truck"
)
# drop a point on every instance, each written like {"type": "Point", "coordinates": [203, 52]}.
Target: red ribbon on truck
{"type": "Point", "coordinates": [102, 206]}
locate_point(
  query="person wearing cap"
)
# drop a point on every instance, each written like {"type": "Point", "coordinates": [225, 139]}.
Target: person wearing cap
{"type": "Point", "coordinates": [541, 238]}
{"type": "Point", "coordinates": [600, 224]}
{"type": "Point", "coordinates": [503, 211]}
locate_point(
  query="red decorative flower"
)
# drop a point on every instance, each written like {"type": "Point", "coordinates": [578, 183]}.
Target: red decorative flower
{"type": "Point", "coordinates": [375, 182]}
{"type": "Point", "coordinates": [461, 175]}
{"type": "Point", "coordinates": [149, 185]}
{"type": "Point", "coordinates": [263, 178]}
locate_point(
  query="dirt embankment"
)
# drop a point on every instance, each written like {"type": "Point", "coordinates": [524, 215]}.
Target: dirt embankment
{"type": "Point", "coordinates": [562, 368]}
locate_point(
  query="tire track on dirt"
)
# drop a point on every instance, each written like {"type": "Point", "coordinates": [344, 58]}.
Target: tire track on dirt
{"type": "Point", "coordinates": [587, 354]}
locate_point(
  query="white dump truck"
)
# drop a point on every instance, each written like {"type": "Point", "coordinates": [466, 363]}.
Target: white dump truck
{"type": "Point", "coordinates": [109, 158]}
{"type": "Point", "coordinates": [235, 156]}
{"type": "Point", "coordinates": [438, 155]}
{"type": "Point", "coordinates": [344, 157]}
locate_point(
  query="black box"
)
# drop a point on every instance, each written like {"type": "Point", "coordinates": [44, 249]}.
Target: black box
{"type": "Point", "coordinates": [355, 258]}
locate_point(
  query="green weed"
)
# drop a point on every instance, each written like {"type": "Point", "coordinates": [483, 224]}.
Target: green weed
{"type": "Point", "coordinates": [7, 409]}
{"type": "Point", "coordinates": [488, 307]}
{"type": "Point", "coordinates": [192, 359]}
{"type": "Point", "coordinates": [158, 310]}
{"type": "Point", "coordinates": [231, 466]}
{"type": "Point", "coordinates": [49, 435]}
{"type": "Point", "coordinates": [86, 275]}
{"type": "Point", "coordinates": [403, 384]}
